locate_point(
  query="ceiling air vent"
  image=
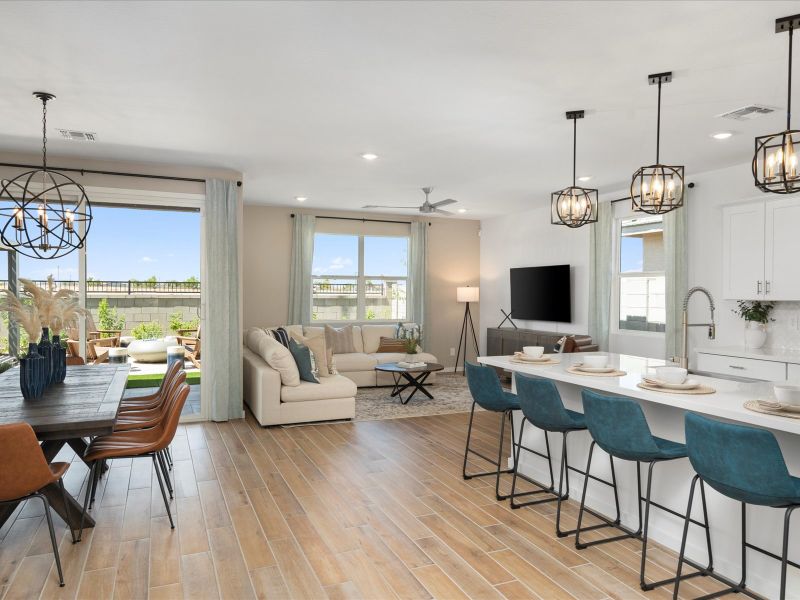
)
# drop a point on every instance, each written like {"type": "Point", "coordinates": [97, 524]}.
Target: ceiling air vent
{"type": "Point", "coordinates": [78, 136]}
{"type": "Point", "coordinates": [747, 113]}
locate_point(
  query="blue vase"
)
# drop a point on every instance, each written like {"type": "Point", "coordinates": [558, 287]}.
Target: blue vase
{"type": "Point", "coordinates": [45, 349]}
{"type": "Point", "coordinates": [59, 361]}
{"type": "Point", "coordinates": [32, 374]}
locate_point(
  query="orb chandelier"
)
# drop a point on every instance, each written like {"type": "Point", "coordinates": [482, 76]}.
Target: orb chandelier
{"type": "Point", "coordinates": [775, 167]}
{"type": "Point", "coordinates": [574, 206]}
{"type": "Point", "coordinates": [44, 213]}
{"type": "Point", "coordinates": [657, 189]}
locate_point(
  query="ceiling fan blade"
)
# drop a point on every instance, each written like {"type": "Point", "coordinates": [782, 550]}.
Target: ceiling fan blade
{"type": "Point", "coordinates": [442, 212]}
{"type": "Point", "coordinates": [444, 202]}
{"type": "Point", "coordinates": [386, 206]}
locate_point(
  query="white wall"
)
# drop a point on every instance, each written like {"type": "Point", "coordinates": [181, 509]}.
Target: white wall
{"type": "Point", "coordinates": [528, 239]}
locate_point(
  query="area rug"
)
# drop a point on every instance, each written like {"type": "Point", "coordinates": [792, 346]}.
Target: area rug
{"type": "Point", "coordinates": [450, 395]}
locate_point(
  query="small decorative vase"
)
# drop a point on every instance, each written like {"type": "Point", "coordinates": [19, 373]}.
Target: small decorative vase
{"type": "Point", "coordinates": [410, 358]}
{"type": "Point", "coordinates": [32, 371]}
{"type": "Point", "coordinates": [45, 349]}
{"type": "Point", "coordinates": [755, 335]}
{"type": "Point", "coordinates": [59, 361]}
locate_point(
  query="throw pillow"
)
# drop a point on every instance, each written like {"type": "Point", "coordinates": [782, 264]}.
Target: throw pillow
{"type": "Point", "coordinates": [281, 335]}
{"type": "Point", "coordinates": [391, 345]}
{"type": "Point", "coordinates": [319, 351]}
{"type": "Point", "coordinates": [302, 356]}
{"type": "Point", "coordinates": [340, 340]}
{"type": "Point", "coordinates": [279, 358]}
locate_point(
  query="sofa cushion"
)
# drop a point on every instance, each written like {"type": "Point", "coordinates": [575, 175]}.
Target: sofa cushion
{"type": "Point", "coordinates": [391, 345]}
{"type": "Point", "coordinates": [303, 359]}
{"type": "Point", "coordinates": [341, 340]}
{"type": "Point", "coordinates": [355, 361]}
{"type": "Point", "coordinates": [389, 357]}
{"type": "Point", "coordinates": [328, 388]}
{"type": "Point", "coordinates": [315, 340]}
{"type": "Point", "coordinates": [278, 357]}
{"type": "Point", "coordinates": [372, 334]}
{"type": "Point", "coordinates": [358, 340]}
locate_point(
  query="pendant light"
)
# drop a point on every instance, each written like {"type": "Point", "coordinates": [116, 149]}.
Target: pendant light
{"type": "Point", "coordinates": [47, 214]}
{"type": "Point", "coordinates": [574, 206]}
{"type": "Point", "coordinates": [775, 167]}
{"type": "Point", "coordinates": [657, 189]}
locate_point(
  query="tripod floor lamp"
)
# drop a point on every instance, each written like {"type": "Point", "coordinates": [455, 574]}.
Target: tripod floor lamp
{"type": "Point", "coordinates": [466, 295]}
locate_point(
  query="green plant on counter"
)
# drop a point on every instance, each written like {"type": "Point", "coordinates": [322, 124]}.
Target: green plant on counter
{"type": "Point", "coordinates": [147, 331]}
{"type": "Point", "coordinates": [754, 310]}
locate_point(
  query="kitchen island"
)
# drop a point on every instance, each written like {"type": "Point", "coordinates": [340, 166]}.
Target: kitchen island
{"type": "Point", "coordinates": [665, 415]}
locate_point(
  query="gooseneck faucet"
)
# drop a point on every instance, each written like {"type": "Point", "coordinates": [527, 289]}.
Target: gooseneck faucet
{"type": "Point", "coordinates": [683, 359]}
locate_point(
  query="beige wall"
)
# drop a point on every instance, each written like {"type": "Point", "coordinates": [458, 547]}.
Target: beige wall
{"type": "Point", "coordinates": [453, 260]}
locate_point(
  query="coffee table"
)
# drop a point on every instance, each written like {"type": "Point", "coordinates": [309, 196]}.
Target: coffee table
{"type": "Point", "coordinates": [405, 378]}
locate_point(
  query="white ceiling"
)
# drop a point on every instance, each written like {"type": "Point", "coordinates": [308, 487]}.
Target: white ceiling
{"type": "Point", "coordinates": [466, 96]}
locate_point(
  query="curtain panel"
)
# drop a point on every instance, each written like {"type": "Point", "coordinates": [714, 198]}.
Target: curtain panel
{"type": "Point", "coordinates": [418, 271]}
{"type": "Point", "coordinates": [222, 373]}
{"type": "Point", "coordinates": [601, 274]}
{"type": "Point", "coordinates": [300, 270]}
{"type": "Point", "coordinates": [676, 269]}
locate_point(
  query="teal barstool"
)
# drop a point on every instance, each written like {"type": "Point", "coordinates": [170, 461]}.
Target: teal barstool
{"type": "Point", "coordinates": [619, 427]}
{"type": "Point", "coordinates": [484, 385]}
{"type": "Point", "coordinates": [745, 464]}
{"type": "Point", "coordinates": [543, 408]}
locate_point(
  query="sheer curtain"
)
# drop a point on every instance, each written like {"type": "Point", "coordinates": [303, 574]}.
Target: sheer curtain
{"type": "Point", "coordinates": [222, 373]}
{"type": "Point", "coordinates": [600, 274]}
{"type": "Point", "coordinates": [676, 269]}
{"type": "Point", "coordinates": [418, 271]}
{"type": "Point", "coordinates": [300, 273]}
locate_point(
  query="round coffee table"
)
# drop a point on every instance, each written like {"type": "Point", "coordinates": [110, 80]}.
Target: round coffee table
{"type": "Point", "coordinates": [405, 378]}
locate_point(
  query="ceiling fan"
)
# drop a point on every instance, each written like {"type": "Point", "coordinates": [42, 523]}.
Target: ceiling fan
{"type": "Point", "coordinates": [426, 207]}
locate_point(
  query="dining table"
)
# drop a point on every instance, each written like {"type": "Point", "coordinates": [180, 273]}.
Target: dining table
{"type": "Point", "coordinates": [85, 405]}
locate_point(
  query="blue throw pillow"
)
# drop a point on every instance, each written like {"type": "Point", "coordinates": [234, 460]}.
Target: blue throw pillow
{"type": "Point", "coordinates": [302, 356]}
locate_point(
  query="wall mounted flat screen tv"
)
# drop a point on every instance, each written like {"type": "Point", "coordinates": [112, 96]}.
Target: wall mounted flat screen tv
{"type": "Point", "coordinates": [541, 294]}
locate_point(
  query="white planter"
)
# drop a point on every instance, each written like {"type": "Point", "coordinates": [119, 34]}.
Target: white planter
{"type": "Point", "coordinates": [755, 335]}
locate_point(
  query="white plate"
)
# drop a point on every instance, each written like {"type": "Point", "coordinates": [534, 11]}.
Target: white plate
{"type": "Point", "coordinates": [595, 369]}
{"type": "Point", "coordinates": [524, 358]}
{"type": "Point", "coordinates": [689, 384]}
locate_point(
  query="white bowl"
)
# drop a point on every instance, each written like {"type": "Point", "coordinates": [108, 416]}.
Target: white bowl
{"type": "Point", "coordinates": [595, 361]}
{"type": "Point", "coordinates": [788, 394]}
{"type": "Point", "coordinates": [533, 351]}
{"type": "Point", "coordinates": [671, 374]}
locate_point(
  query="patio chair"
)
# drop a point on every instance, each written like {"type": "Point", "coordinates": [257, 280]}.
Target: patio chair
{"type": "Point", "coordinates": [191, 345]}
{"type": "Point", "coordinates": [98, 341]}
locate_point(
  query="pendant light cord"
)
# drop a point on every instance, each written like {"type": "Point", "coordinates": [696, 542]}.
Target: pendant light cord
{"type": "Point", "coordinates": [574, 148]}
{"type": "Point", "coordinates": [789, 99]}
{"type": "Point", "coordinates": [658, 124]}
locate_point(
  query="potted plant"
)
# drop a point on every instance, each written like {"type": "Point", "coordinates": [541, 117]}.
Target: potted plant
{"type": "Point", "coordinates": [412, 337]}
{"type": "Point", "coordinates": [756, 316]}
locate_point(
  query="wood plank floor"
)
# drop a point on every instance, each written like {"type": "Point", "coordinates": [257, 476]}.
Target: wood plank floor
{"type": "Point", "coordinates": [356, 510]}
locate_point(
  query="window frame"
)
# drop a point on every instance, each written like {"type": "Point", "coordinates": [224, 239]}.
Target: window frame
{"type": "Point", "coordinates": [361, 279]}
{"type": "Point", "coordinates": [617, 277]}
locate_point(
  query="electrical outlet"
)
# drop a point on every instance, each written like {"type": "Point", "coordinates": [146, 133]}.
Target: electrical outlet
{"type": "Point", "coordinates": [452, 351]}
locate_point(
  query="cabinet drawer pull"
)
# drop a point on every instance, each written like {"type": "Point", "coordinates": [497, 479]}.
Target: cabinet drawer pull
{"type": "Point", "coordinates": [758, 287]}
{"type": "Point", "coordinates": [737, 367]}
{"type": "Point", "coordinates": [766, 287]}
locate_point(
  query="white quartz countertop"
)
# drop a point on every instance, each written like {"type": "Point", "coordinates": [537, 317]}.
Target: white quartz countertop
{"type": "Point", "coordinates": [726, 403]}
{"type": "Point", "coordinates": [771, 354]}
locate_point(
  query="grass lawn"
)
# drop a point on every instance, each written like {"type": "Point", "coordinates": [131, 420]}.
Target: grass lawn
{"type": "Point", "coordinates": [146, 380]}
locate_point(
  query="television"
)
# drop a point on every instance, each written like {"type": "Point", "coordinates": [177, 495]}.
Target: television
{"type": "Point", "coordinates": [541, 294]}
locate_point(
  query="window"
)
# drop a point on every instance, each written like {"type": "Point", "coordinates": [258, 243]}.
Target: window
{"type": "Point", "coordinates": [359, 277]}
{"type": "Point", "coordinates": [640, 274]}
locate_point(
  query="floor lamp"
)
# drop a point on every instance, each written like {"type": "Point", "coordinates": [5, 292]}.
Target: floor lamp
{"type": "Point", "coordinates": [466, 295]}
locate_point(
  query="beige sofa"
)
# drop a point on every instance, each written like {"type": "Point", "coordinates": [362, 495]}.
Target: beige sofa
{"type": "Point", "coordinates": [334, 397]}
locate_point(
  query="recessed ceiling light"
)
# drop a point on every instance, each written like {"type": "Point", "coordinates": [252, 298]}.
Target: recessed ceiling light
{"type": "Point", "coordinates": [462, 210]}
{"type": "Point", "coordinates": [585, 178]}
{"type": "Point", "coordinates": [369, 156]}
{"type": "Point", "coordinates": [721, 135]}
{"type": "Point", "coordinates": [301, 198]}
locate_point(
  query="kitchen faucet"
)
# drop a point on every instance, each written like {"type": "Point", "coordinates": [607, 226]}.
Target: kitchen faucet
{"type": "Point", "coordinates": [683, 359]}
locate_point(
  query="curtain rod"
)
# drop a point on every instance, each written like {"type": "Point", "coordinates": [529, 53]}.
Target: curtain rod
{"type": "Point", "coordinates": [115, 173]}
{"type": "Point", "coordinates": [363, 220]}
{"type": "Point", "coordinates": [627, 198]}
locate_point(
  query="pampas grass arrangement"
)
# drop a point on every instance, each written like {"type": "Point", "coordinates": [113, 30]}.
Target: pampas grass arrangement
{"type": "Point", "coordinates": [26, 315]}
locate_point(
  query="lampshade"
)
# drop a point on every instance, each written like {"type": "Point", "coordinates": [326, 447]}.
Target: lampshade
{"type": "Point", "coordinates": [468, 294]}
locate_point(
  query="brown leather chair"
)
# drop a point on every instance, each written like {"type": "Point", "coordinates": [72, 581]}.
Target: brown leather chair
{"type": "Point", "coordinates": [25, 472]}
{"type": "Point", "coordinates": [152, 400]}
{"type": "Point", "coordinates": [137, 444]}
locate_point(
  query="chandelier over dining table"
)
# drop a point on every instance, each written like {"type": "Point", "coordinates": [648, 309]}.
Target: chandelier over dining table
{"type": "Point", "coordinates": [44, 213]}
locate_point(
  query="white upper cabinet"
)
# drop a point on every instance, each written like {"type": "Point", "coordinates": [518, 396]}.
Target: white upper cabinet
{"type": "Point", "coordinates": [782, 249]}
{"type": "Point", "coordinates": [743, 251]}
{"type": "Point", "coordinates": [761, 250]}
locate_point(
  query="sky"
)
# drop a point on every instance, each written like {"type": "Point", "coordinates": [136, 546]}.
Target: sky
{"type": "Point", "coordinates": [338, 255]}
{"type": "Point", "coordinates": [127, 243]}
{"type": "Point", "coordinates": [631, 254]}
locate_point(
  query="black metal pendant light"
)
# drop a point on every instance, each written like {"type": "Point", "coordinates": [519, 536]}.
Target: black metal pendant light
{"type": "Point", "coordinates": [657, 189]}
{"type": "Point", "coordinates": [775, 162]}
{"type": "Point", "coordinates": [47, 214]}
{"type": "Point", "coordinates": [574, 206]}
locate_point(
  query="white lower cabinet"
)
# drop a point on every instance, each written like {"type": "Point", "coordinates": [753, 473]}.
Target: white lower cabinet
{"type": "Point", "coordinates": [743, 367]}
{"type": "Point", "coordinates": [793, 374]}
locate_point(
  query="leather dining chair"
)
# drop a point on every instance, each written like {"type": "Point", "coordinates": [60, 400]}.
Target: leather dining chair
{"type": "Point", "coordinates": [25, 472]}
{"type": "Point", "coordinates": [138, 444]}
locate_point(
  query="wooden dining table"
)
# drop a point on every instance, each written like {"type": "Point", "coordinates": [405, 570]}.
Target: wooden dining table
{"type": "Point", "coordinates": [84, 406]}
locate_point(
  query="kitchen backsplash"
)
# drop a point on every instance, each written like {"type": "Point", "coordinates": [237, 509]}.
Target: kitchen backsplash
{"type": "Point", "coordinates": [784, 332]}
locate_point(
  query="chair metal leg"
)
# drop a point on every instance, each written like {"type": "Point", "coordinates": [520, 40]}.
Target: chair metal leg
{"type": "Point", "coordinates": [516, 463]}
{"type": "Point", "coordinates": [163, 492]}
{"type": "Point", "coordinates": [89, 492]}
{"type": "Point", "coordinates": [499, 470]}
{"type": "Point", "coordinates": [562, 474]}
{"type": "Point", "coordinates": [66, 508]}
{"type": "Point", "coordinates": [543, 489]}
{"type": "Point", "coordinates": [785, 554]}
{"type": "Point", "coordinates": [162, 463]}
{"type": "Point", "coordinates": [583, 495]}
{"type": "Point", "coordinates": [682, 552]}
{"type": "Point", "coordinates": [52, 538]}
{"type": "Point", "coordinates": [168, 454]}
{"type": "Point", "coordinates": [500, 453]}
{"type": "Point", "coordinates": [97, 472]}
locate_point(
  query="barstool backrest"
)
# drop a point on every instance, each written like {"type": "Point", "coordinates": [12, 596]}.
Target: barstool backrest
{"type": "Point", "coordinates": [541, 403]}
{"type": "Point", "coordinates": [618, 426]}
{"type": "Point", "coordinates": [484, 385]}
{"type": "Point", "coordinates": [744, 463]}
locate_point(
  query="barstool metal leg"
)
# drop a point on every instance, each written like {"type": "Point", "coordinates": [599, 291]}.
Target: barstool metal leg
{"type": "Point", "coordinates": [500, 453]}
{"type": "Point", "coordinates": [543, 489]}
{"type": "Point", "coordinates": [785, 555]}
{"type": "Point", "coordinates": [682, 552]}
